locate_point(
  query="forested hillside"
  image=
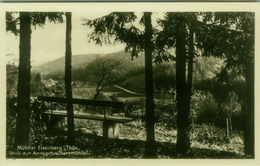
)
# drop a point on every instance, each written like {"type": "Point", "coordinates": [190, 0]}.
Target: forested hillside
{"type": "Point", "coordinates": [132, 70]}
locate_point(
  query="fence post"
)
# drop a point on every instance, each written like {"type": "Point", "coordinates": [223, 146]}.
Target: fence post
{"type": "Point", "coordinates": [227, 128]}
{"type": "Point", "coordinates": [192, 122]}
{"type": "Point", "coordinates": [230, 125]}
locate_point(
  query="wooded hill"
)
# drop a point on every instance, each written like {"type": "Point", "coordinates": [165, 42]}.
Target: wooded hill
{"type": "Point", "coordinates": [58, 65]}
{"type": "Point", "coordinates": [132, 69]}
{"type": "Point", "coordinates": [80, 61]}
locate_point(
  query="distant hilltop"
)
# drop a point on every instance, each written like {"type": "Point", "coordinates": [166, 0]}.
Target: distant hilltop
{"type": "Point", "coordinates": [78, 61]}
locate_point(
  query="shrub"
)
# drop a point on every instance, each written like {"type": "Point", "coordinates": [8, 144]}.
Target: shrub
{"type": "Point", "coordinates": [206, 108]}
{"type": "Point", "coordinates": [165, 108]}
{"type": "Point", "coordinates": [37, 128]}
{"type": "Point", "coordinates": [164, 76]}
{"type": "Point", "coordinates": [11, 120]}
{"type": "Point", "coordinates": [135, 108]}
{"type": "Point", "coordinates": [37, 132]}
{"type": "Point", "coordinates": [231, 108]}
{"type": "Point", "coordinates": [207, 136]}
{"type": "Point", "coordinates": [196, 103]}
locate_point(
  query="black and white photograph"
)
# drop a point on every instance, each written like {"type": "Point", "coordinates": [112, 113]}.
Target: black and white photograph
{"type": "Point", "coordinates": [131, 83]}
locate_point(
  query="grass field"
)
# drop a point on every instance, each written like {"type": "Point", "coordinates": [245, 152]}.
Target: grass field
{"type": "Point", "coordinates": [206, 140]}
{"type": "Point", "coordinates": [200, 139]}
{"type": "Point", "coordinates": [131, 144]}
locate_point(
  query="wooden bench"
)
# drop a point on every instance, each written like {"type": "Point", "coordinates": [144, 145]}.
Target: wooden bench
{"type": "Point", "coordinates": [110, 123]}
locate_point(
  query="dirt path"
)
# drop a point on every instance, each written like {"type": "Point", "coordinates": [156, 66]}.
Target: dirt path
{"type": "Point", "coordinates": [128, 91]}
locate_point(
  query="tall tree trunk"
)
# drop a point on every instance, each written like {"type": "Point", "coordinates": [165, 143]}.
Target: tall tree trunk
{"type": "Point", "coordinates": [149, 106]}
{"type": "Point", "coordinates": [23, 105]}
{"type": "Point", "coordinates": [68, 87]}
{"type": "Point", "coordinates": [249, 134]}
{"type": "Point", "coordinates": [190, 70]}
{"type": "Point", "coordinates": [190, 63]}
{"type": "Point", "coordinates": [183, 124]}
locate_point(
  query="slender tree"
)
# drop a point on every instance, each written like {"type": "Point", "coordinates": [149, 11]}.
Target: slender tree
{"type": "Point", "coordinates": [236, 44]}
{"type": "Point", "coordinates": [118, 26]}
{"type": "Point", "coordinates": [26, 20]}
{"type": "Point", "coordinates": [178, 33]}
{"type": "Point", "coordinates": [102, 72]}
{"type": "Point", "coordinates": [190, 68]}
{"type": "Point", "coordinates": [149, 105]}
{"type": "Point", "coordinates": [68, 86]}
{"type": "Point", "coordinates": [190, 62]}
{"type": "Point", "coordinates": [243, 59]}
{"type": "Point", "coordinates": [248, 108]}
{"type": "Point", "coordinates": [23, 103]}
{"type": "Point", "coordinates": [183, 142]}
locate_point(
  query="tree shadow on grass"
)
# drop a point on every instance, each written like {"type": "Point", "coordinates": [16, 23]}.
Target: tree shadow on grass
{"type": "Point", "coordinates": [97, 147]}
{"type": "Point", "coordinates": [168, 150]}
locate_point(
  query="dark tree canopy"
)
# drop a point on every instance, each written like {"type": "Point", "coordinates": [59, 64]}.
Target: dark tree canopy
{"type": "Point", "coordinates": [37, 19]}
{"type": "Point", "coordinates": [225, 35]}
{"type": "Point", "coordinates": [230, 36]}
{"type": "Point", "coordinates": [118, 26]}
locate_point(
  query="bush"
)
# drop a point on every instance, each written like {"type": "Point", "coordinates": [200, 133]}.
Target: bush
{"type": "Point", "coordinates": [164, 76]}
{"type": "Point", "coordinates": [11, 120]}
{"type": "Point", "coordinates": [231, 108]}
{"type": "Point", "coordinates": [205, 108]}
{"type": "Point", "coordinates": [135, 108]}
{"type": "Point", "coordinates": [208, 137]}
{"type": "Point", "coordinates": [38, 89]}
{"type": "Point", "coordinates": [165, 108]}
{"type": "Point", "coordinates": [196, 103]}
{"type": "Point", "coordinates": [37, 132]}
{"type": "Point", "coordinates": [37, 128]}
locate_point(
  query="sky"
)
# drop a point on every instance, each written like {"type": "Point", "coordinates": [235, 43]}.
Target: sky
{"type": "Point", "coordinates": [48, 43]}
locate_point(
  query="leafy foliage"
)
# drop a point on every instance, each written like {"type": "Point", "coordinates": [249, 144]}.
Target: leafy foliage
{"type": "Point", "coordinates": [209, 137]}
{"type": "Point", "coordinates": [135, 108]}
{"type": "Point", "coordinates": [196, 105]}
{"type": "Point", "coordinates": [11, 22]}
{"type": "Point", "coordinates": [103, 72]}
{"type": "Point", "coordinates": [37, 19]}
{"type": "Point", "coordinates": [11, 80]}
{"type": "Point", "coordinates": [118, 26]}
{"type": "Point", "coordinates": [209, 112]}
{"type": "Point", "coordinates": [11, 105]}
{"type": "Point", "coordinates": [231, 106]}
{"type": "Point", "coordinates": [230, 36]}
{"type": "Point", "coordinates": [206, 143]}
{"type": "Point", "coordinates": [164, 76]}
{"type": "Point", "coordinates": [38, 89]}
{"type": "Point", "coordinates": [37, 128]}
{"type": "Point", "coordinates": [165, 108]}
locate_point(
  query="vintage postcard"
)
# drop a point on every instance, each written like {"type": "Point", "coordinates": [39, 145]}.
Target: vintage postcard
{"type": "Point", "coordinates": [130, 83]}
